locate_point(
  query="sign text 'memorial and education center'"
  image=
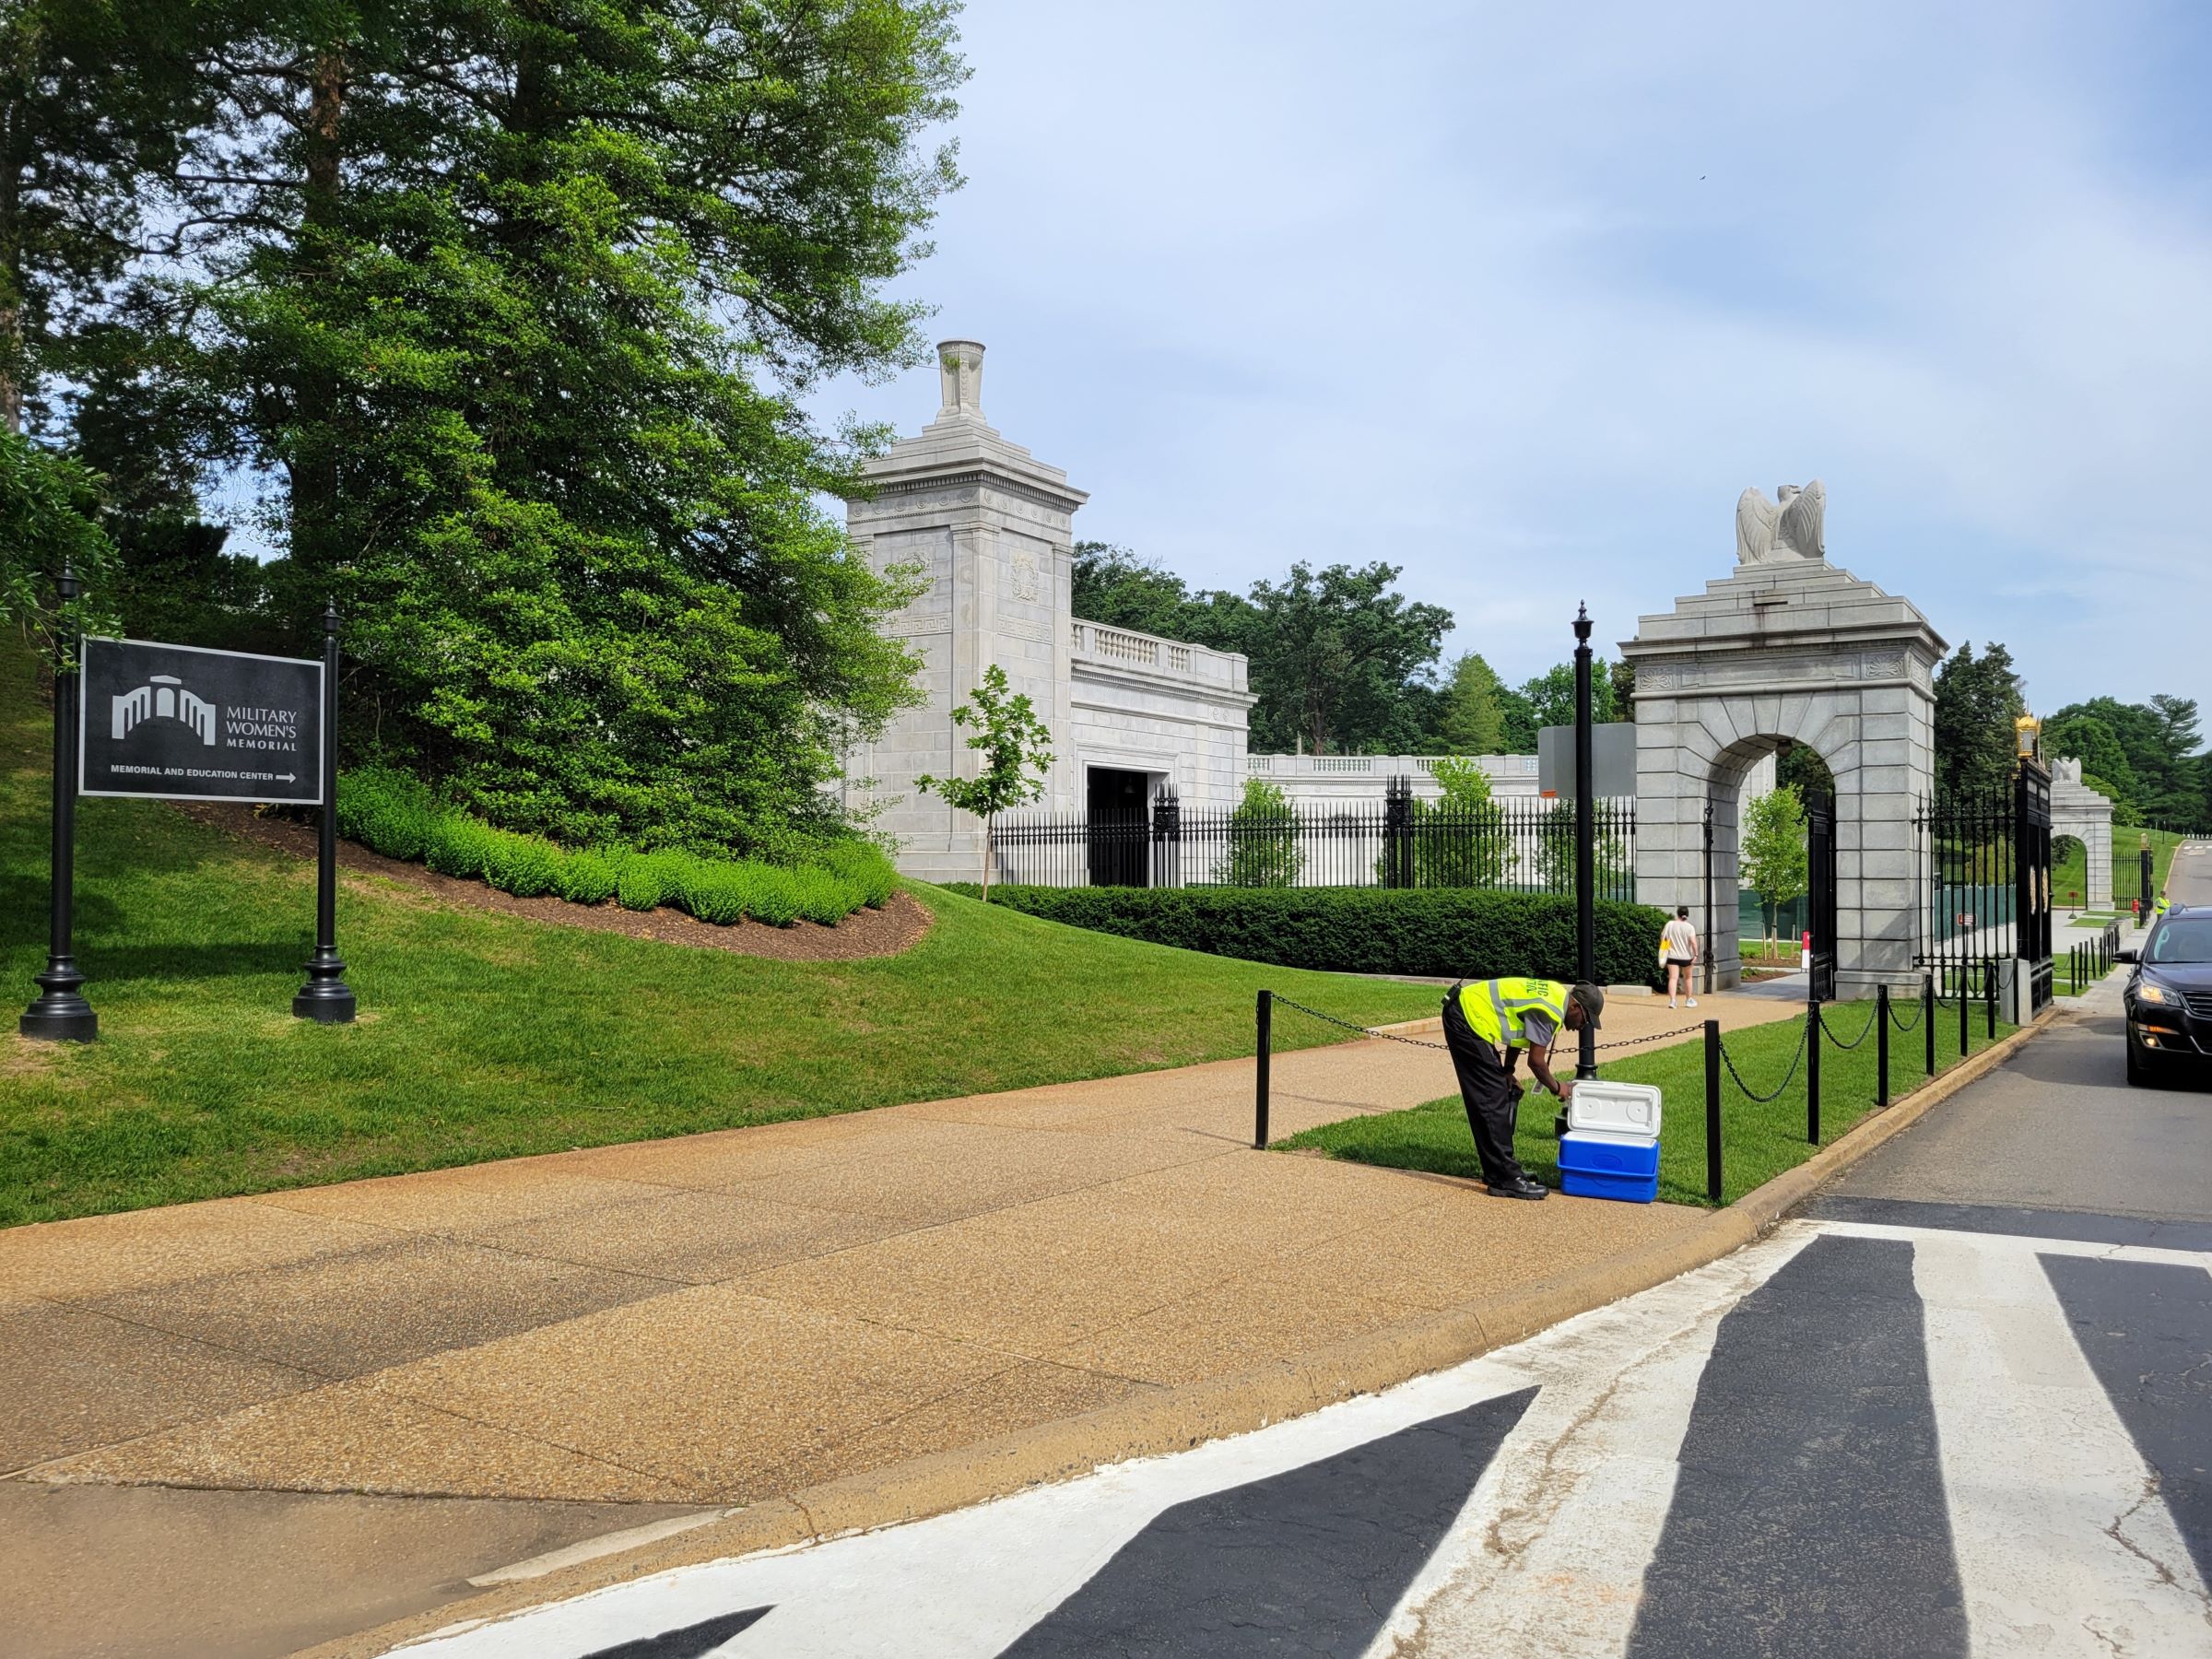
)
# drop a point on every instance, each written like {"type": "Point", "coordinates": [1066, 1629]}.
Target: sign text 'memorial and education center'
{"type": "Point", "coordinates": [180, 722]}
{"type": "Point", "coordinates": [183, 724]}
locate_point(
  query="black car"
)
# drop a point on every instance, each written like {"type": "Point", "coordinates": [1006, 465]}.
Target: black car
{"type": "Point", "coordinates": [2170, 995]}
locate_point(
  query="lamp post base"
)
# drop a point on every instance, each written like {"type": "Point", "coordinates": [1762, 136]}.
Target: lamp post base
{"type": "Point", "coordinates": [61, 1014]}
{"type": "Point", "coordinates": [325, 999]}
{"type": "Point", "coordinates": [60, 1019]}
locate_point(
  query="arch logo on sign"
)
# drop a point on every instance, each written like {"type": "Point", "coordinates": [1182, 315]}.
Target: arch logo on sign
{"type": "Point", "coordinates": [180, 722]}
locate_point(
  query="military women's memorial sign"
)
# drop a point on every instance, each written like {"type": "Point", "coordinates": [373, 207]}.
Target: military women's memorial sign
{"type": "Point", "coordinates": [186, 723]}
{"type": "Point", "coordinates": [182, 723]}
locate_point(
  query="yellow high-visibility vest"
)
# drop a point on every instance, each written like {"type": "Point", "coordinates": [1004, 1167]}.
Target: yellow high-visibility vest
{"type": "Point", "coordinates": [1494, 1008]}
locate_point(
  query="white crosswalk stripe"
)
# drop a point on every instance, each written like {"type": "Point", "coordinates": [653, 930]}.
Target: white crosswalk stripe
{"type": "Point", "coordinates": [2059, 1552]}
{"type": "Point", "coordinates": [2060, 1541]}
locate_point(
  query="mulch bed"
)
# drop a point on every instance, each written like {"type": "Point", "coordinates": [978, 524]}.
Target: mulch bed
{"type": "Point", "coordinates": [898, 926]}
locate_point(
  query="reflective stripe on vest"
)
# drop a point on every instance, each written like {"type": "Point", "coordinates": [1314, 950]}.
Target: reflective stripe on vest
{"type": "Point", "coordinates": [1494, 1008]}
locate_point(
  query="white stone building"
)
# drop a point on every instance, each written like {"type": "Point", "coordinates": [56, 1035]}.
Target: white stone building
{"type": "Point", "coordinates": [990, 528]}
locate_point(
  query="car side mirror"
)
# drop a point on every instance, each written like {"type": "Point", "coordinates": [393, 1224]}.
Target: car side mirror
{"type": "Point", "coordinates": [2126, 956]}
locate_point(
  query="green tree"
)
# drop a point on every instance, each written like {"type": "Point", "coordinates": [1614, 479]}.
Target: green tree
{"type": "Point", "coordinates": [1470, 718]}
{"type": "Point", "coordinates": [1263, 846]}
{"type": "Point", "coordinates": [1459, 840]}
{"type": "Point", "coordinates": [94, 98]}
{"type": "Point", "coordinates": [1611, 862]}
{"type": "Point", "coordinates": [1977, 699]}
{"type": "Point", "coordinates": [1012, 741]}
{"type": "Point", "coordinates": [2085, 738]}
{"type": "Point", "coordinates": [514, 305]}
{"type": "Point", "coordinates": [1623, 675]}
{"type": "Point", "coordinates": [49, 517]}
{"type": "Point", "coordinates": [1550, 697]}
{"type": "Point", "coordinates": [1120, 588]}
{"type": "Point", "coordinates": [1772, 850]}
{"type": "Point", "coordinates": [1332, 653]}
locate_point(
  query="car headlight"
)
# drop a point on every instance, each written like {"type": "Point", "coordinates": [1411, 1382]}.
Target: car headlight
{"type": "Point", "coordinates": [2153, 993]}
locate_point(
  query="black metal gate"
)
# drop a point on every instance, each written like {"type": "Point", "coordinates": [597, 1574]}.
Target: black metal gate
{"type": "Point", "coordinates": [2031, 882]}
{"type": "Point", "coordinates": [1820, 889]}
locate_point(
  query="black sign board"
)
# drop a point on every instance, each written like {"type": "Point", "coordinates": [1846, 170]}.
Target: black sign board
{"type": "Point", "coordinates": [184, 723]}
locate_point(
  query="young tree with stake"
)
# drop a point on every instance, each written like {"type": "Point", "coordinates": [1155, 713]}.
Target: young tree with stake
{"type": "Point", "coordinates": [1012, 741]}
{"type": "Point", "coordinates": [1773, 850]}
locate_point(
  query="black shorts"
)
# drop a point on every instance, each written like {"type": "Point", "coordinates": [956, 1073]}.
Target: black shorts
{"type": "Point", "coordinates": [1679, 961]}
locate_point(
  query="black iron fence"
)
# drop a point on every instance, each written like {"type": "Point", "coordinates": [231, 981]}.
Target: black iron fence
{"type": "Point", "coordinates": [1525, 845]}
{"type": "Point", "coordinates": [1985, 887]}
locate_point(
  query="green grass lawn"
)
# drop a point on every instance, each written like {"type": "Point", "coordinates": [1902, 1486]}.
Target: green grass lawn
{"type": "Point", "coordinates": [487, 1036]}
{"type": "Point", "coordinates": [1757, 1141]}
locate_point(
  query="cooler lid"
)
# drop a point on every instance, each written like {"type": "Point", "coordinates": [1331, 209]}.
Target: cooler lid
{"type": "Point", "coordinates": [1615, 1108]}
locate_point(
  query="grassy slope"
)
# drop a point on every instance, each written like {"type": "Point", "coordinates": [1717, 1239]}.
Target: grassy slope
{"type": "Point", "coordinates": [486, 1036]}
{"type": "Point", "coordinates": [1757, 1141]}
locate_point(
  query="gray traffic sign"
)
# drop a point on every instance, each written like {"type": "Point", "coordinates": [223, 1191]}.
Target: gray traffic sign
{"type": "Point", "coordinates": [183, 724]}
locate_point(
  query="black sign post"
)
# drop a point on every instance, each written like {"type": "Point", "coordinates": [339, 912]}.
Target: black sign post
{"type": "Point", "coordinates": [180, 722]}
{"type": "Point", "coordinates": [1585, 836]}
{"type": "Point", "coordinates": [61, 1014]}
{"type": "Point", "coordinates": [325, 999]}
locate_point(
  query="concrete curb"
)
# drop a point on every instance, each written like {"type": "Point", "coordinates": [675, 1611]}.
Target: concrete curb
{"type": "Point", "coordinates": [1164, 1420]}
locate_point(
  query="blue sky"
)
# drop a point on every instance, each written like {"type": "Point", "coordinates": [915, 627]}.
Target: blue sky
{"type": "Point", "coordinates": [1520, 297]}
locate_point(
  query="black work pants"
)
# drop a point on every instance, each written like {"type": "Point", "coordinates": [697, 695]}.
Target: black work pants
{"type": "Point", "coordinates": [1492, 1098]}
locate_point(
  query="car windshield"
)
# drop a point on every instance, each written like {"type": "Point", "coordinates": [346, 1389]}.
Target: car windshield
{"type": "Point", "coordinates": [2179, 941]}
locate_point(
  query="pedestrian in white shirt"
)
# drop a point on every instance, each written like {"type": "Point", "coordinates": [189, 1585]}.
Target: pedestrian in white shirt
{"type": "Point", "coordinates": [1677, 954]}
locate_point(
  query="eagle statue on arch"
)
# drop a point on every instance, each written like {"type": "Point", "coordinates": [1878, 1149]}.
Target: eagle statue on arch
{"type": "Point", "coordinates": [1771, 532]}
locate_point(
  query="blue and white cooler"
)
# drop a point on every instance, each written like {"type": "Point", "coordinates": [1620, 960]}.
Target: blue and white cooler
{"type": "Point", "coordinates": [1611, 1146]}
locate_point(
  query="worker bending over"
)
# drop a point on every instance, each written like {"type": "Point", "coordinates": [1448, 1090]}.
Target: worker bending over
{"type": "Point", "coordinates": [1484, 1016]}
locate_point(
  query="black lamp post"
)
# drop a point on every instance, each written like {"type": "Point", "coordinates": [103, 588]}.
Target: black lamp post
{"type": "Point", "coordinates": [325, 999]}
{"type": "Point", "coordinates": [1585, 836]}
{"type": "Point", "coordinates": [61, 1014]}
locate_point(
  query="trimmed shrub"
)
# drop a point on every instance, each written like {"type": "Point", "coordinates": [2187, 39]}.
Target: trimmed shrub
{"type": "Point", "coordinates": [645, 881]}
{"type": "Point", "coordinates": [391, 812]}
{"type": "Point", "coordinates": [457, 845]}
{"type": "Point", "coordinates": [1442, 933]}
{"type": "Point", "coordinates": [585, 878]}
{"type": "Point", "coordinates": [521, 864]}
{"type": "Point", "coordinates": [388, 811]}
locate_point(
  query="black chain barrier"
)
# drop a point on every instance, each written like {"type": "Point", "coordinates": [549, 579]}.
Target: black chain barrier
{"type": "Point", "coordinates": [1919, 1012]}
{"type": "Point", "coordinates": [1729, 1061]}
{"type": "Point", "coordinates": [1690, 1030]}
{"type": "Point", "coordinates": [1871, 1011]}
{"type": "Point", "coordinates": [1364, 1031]}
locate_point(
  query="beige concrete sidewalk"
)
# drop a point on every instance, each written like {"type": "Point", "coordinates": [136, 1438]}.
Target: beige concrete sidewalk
{"type": "Point", "coordinates": [731, 1317]}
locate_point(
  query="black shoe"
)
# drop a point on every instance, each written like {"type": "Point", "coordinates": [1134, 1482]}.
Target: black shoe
{"type": "Point", "coordinates": [1523, 1188]}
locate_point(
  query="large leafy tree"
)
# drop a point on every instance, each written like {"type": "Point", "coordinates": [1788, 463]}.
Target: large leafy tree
{"type": "Point", "coordinates": [1340, 661]}
{"type": "Point", "coordinates": [513, 300]}
{"type": "Point", "coordinates": [1977, 699]}
{"type": "Point", "coordinates": [95, 98]}
{"type": "Point", "coordinates": [1332, 653]}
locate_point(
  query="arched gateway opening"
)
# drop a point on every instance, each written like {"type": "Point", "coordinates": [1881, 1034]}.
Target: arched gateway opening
{"type": "Point", "coordinates": [1789, 649]}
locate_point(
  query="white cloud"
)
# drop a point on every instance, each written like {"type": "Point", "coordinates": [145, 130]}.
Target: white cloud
{"type": "Point", "coordinates": [1523, 298]}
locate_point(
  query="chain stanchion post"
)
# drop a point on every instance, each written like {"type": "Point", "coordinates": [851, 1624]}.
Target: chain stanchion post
{"type": "Point", "coordinates": [1963, 1000]}
{"type": "Point", "coordinates": [1927, 1016]}
{"type": "Point", "coordinates": [1264, 1018]}
{"type": "Point", "coordinates": [1881, 1048]}
{"type": "Point", "coordinates": [1989, 993]}
{"type": "Point", "coordinates": [1812, 1071]}
{"type": "Point", "coordinates": [1712, 1110]}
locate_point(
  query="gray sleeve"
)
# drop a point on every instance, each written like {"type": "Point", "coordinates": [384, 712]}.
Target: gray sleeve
{"type": "Point", "coordinates": [1539, 1030]}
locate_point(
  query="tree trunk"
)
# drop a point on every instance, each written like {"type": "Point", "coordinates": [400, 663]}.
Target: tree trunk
{"type": "Point", "coordinates": [987, 859]}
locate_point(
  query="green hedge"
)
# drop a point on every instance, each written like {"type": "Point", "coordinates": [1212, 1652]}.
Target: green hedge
{"type": "Point", "coordinates": [393, 813]}
{"type": "Point", "coordinates": [1468, 932]}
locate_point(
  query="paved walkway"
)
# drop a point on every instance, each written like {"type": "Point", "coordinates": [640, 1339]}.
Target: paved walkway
{"type": "Point", "coordinates": [729, 1318]}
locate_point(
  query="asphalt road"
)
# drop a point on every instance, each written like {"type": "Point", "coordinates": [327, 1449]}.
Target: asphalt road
{"type": "Point", "coordinates": [1963, 1406]}
{"type": "Point", "coordinates": [2189, 877]}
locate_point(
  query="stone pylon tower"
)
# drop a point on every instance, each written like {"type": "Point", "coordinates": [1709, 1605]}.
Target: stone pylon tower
{"type": "Point", "coordinates": [989, 526]}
